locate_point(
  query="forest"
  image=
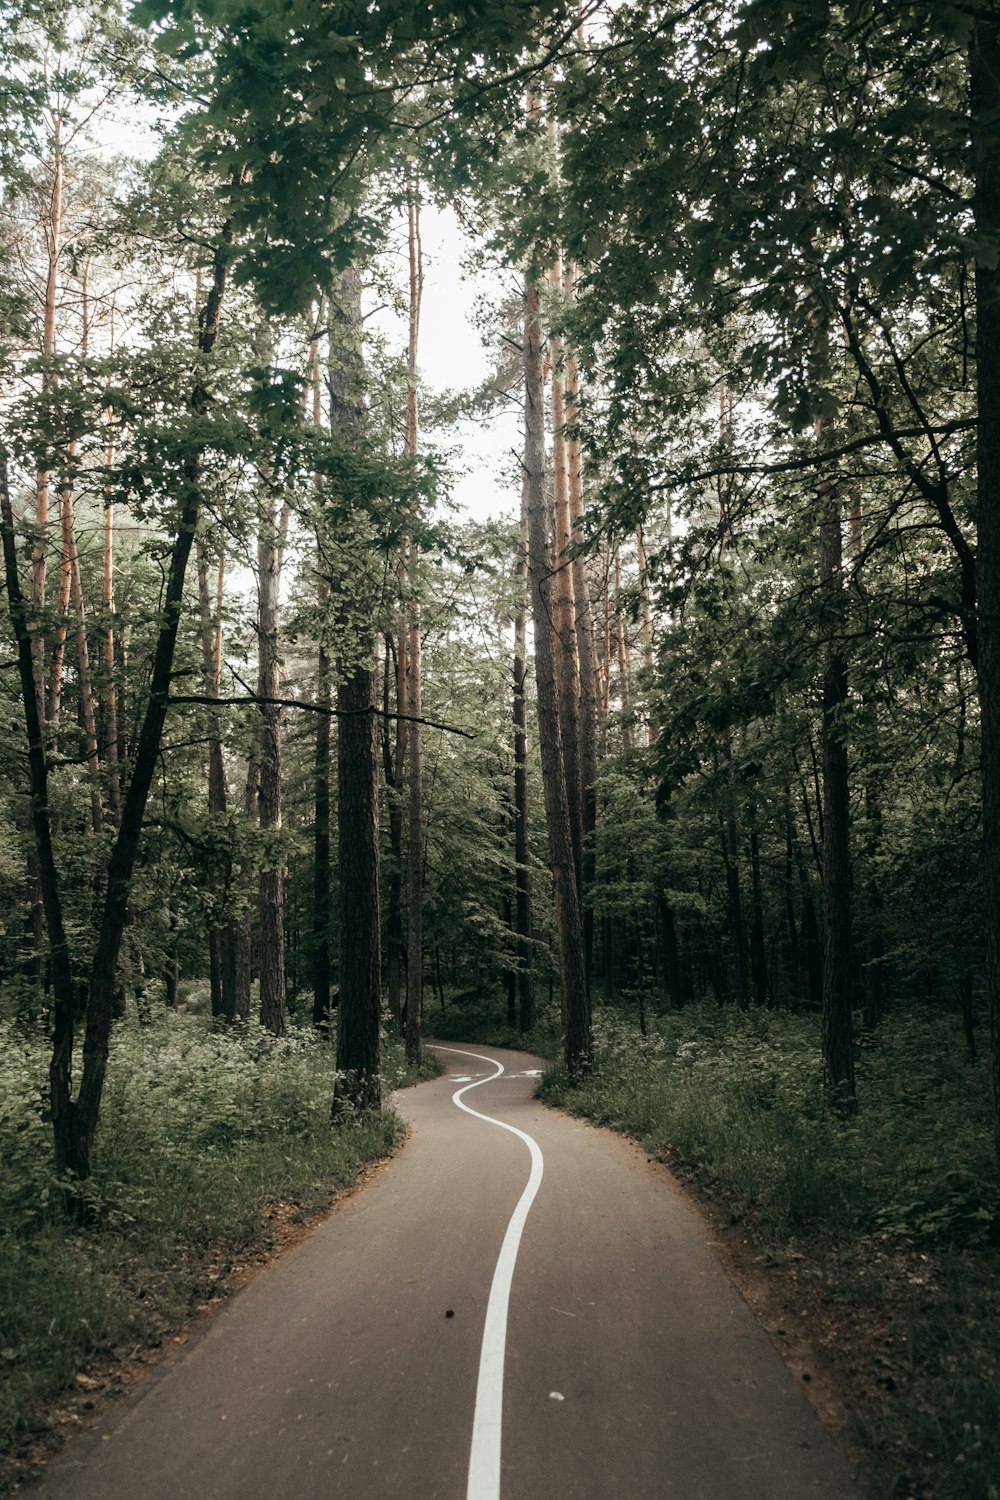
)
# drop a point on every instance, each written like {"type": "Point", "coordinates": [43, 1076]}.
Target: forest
{"type": "Point", "coordinates": [681, 769]}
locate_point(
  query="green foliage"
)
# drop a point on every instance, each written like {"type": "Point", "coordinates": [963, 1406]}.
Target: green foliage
{"type": "Point", "coordinates": [735, 1103]}
{"type": "Point", "coordinates": [201, 1132]}
{"type": "Point", "coordinates": [738, 1100]}
{"type": "Point", "coordinates": [472, 1016]}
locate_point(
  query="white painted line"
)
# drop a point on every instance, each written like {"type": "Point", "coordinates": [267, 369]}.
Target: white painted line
{"type": "Point", "coordinates": [487, 1424]}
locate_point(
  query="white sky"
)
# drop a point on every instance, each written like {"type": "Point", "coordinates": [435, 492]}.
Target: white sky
{"type": "Point", "coordinates": [452, 356]}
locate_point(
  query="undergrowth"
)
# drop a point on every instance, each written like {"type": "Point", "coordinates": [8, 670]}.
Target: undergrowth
{"type": "Point", "coordinates": [477, 1016]}
{"type": "Point", "coordinates": [202, 1132]}
{"type": "Point", "coordinates": [735, 1102]}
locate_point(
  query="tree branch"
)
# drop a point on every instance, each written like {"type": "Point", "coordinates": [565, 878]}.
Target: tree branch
{"type": "Point", "coordinates": [315, 708]}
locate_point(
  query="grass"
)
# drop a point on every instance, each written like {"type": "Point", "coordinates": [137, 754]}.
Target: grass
{"type": "Point", "coordinates": [208, 1141]}
{"type": "Point", "coordinates": [884, 1224]}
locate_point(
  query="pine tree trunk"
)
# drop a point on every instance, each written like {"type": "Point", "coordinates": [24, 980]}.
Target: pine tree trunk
{"type": "Point", "coordinates": [587, 656]}
{"type": "Point", "coordinates": [109, 693]}
{"type": "Point", "coordinates": [791, 922]}
{"type": "Point", "coordinates": [358, 1043]}
{"type": "Point", "coordinates": [758, 945]}
{"type": "Point", "coordinates": [322, 885]}
{"type": "Point", "coordinates": [53, 245]}
{"type": "Point", "coordinates": [729, 837]}
{"type": "Point", "coordinates": [574, 999]}
{"type": "Point", "coordinates": [564, 613]}
{"type": "Point", "coordinates": [394, 764]}
{"type": "Point", "coordinates": [985, 103]}
{"type": "Point", "coordinates": [271, 891]}
{"type": "Point", "coordinates": [838, 1044]}
{"type": "Point", "coordinates": [522, 871]}
{"type": "Point", "coordinates": [66, 527]}
{"type": "Point", "coordinates": [415, 903]}
{"type": "Point", "coordinates": [217, 797]}
{"type": "Point", "coordinates": [624, 667]}
{"type": "Point", "coordinates": [60, 1097]}
{"type": "Point", "coordinates": [358, 1049]}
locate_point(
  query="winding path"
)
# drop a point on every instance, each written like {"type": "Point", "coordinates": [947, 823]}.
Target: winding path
{"type": "Point", "coordinates": [517, 1307]}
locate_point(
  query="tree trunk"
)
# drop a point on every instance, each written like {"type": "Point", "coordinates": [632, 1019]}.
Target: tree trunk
{"type": "Point", "coordinates": [415, 904]}
{"type": "Point", "coordinates": [60, 1100]}
{"type": "Point", "coordinates": [793, 965]}
{"type": "Point", "coordinates": [985, 103]}
{"type": "Point", "coordinates": [271, 895]}
{"type": "Point", "coordinates": [729, 838]}
{"type": "Point", "coordinates": [53, 246]}
{"type": "Point", "coordinates": [575, 1001]}
{"type": "Point", "coordinates": [393, 765]}
{"type": "Point", "coordinates": [358, 1044]}
{"type": "Point", "coordinates": [109, 695]}
{"type": "Point", "coordinates": [838, 1044]}
{"type": "Point", "coordinates": [322, 886]}
{"type": "Point", "coordinates": [586, 653]}
{"type": "Point", "coordinates": [624, 668]}
{"type": "Point", "coordinates": [758, 945]}
{"type": "Point", "coordinates": [358, 1051]}
{"type": "Point", "coordinates": [564, 611]}
{"type": "Point", "coordinates": [522, 870]}
{"type": "Point", "coordinates": [217, 798]}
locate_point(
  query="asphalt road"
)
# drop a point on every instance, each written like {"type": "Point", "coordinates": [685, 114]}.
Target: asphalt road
{"type": "Point", "coordinates": [356, 1367]}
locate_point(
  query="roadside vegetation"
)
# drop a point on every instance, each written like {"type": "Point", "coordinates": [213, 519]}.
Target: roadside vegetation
{"type": "Point", "coordinates": [879, 1229]}
{"type": "Point", "coordinates": [213, 1145]}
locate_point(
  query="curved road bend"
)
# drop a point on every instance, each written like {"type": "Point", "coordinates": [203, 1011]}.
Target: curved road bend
{"type": "Point", "coordinates": [354, 1367]}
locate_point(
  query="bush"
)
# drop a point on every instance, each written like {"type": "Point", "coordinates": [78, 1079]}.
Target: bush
{"type": "Point", "coordinates": [201, 1130]}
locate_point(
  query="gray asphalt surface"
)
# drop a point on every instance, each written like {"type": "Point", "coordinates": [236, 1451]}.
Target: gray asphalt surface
{"type": "Point", "coordinates": [634, 1370]}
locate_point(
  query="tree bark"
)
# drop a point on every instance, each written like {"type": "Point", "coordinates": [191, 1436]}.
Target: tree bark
{"type": "Point", "coordinates": [758, 946]}
{"type": "Point", "coordinates": [415, 905]}
{"type": "Point", "coordinates": [358, 1047]}
{"type": "Point", "coordinates": [564, 609]}
{"type": "Point", "coordinates": [53, 246]}
{"type": "Point", "coordinates": [358, 1043]}
{"type": "Point", "coordinates": [110, 686]}
{"type": "Point", "coordinates": [624, 666]}
{"type": "Point", "coordinates": [838, 1042]}
{"type": "Point", "coordinates": [394, 762]}
{"type": "Point", "coordinates": [271, 893]}
{"type": "Point", "coordinates": [522, 853]}
{"type": "Point", "coordinates": [322, 885]}
{"type": "Point", "coordinates": [586, 653]}
{"type": "Point", "coordinates": [60, 1100]}
{"type": "Point", "coordinates": [574, 998]}
{"type": "Point", "coordinates": [217, 795]}
{"type": "Point", "coordinates": [985, 110]}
